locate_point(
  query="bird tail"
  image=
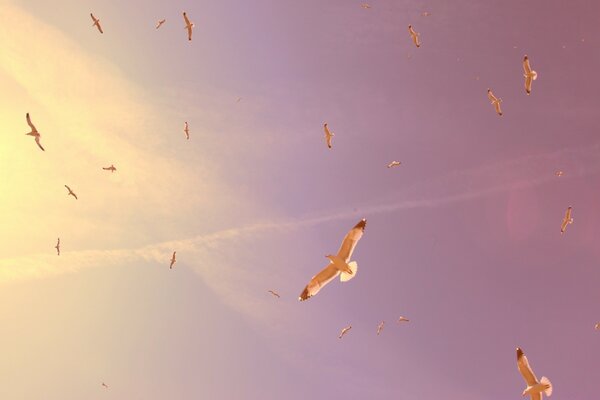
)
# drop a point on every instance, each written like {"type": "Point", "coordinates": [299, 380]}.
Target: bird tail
{"type": "Point", "coordinates": [546, 382]}
{"type": "Point", "coordinates": [534, 75]}
{"type": "Point", "coordinates": [344, 277]}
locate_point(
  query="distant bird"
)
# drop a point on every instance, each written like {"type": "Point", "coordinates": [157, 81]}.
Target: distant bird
{"type": "Point", "coordinates": [394, 164]}
{"type": "Point", "coordinates": [71, 193]}
{"type": "Point", "coordinates": [534, 387]}
{"type": "Point", "coordinates": [414, 35]}
{"type": "Point", "coordinates": [34, 132]}
{"type": "Point", "coordinates": [57, 247]}
{"type": "Point", "coordinates": [328, 135]}
{"type": "Point", "coordinates": [566, 220]}
{"type": "Point", "coordinates": [238, 99]}
{"type": "Point", "coordinates": [188, 25]}
{"type": "Point", "coordinates": [274, 293]}
{"type": "Point", "coordinates": [425, 14]}
{"type": "Point", "coordinates": [339, 263]}
{"type": "Point", "coordinates": [529, 74]}
{"type": "Point", "coordinates": [597, 326]}
{"type": "Point", "coordinates": [365, 6]}
{"type": "Point", "coordinates": [380, 327]}
{"type": "Point", "coordinates": [96, 23]}
{"type": "Point", "coordinates": [403, 319]}
{"type": "Point", "coordinates": [111, 168]}
{"type": "Point", "coordinates": [558, 173]}
{"type": "Point", "coordinates": [495, 102]}
{"type": "Point", "coordinates": [186, 129]}
{"type": "Point", "coordinates": [173, 260]}
{"type": "Point", "coordinates": [105, 385]}
{"type": "Point", "coordinates": [159, 23]}
{"type": "Point", "coordinates": [343, 332]}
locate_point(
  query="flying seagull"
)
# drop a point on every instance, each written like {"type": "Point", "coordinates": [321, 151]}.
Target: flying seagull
{"type": "Point", "coordinates": [71, 193]}
{"type": "Point", "coordinates": [495, 101]}
{"type": "Point", "coordinates": [339, 263]}
{"type": "Point", "coordinates": [425, 14]}
{"type": "Point", "coordinates": [34, 132]}
{"type": "Point", "coordinates": [529, 74]}
{"type": "Point", "coordinates": [566, 220]}
{"type": "Point", "coordinates": [394, 164]}
{"type": "Point", "coordinates": [534, 387]}
{"type": "Point", "coordinates": [365, 6]}
{"type": "Point", "coordinates": [343, 332]}
{"type": "Point", "coordinates": [111, 168]}
{"type": "Point", "coordinates": [188, 25]}
{"type": "Point", "coordinates": [597, 326]}
{"type": "Point", "coordinates": [159, 23]}
{"type": "Point", "coordinates": [558, 173]}
{"type": "Point", "coordinates": [414, 35]}
{"type": "Point", "coordinates": [328, 135]}
{"type": "Point", "coordinates": [57, 247]}
{"type": "Point", "coordinates": [274, 293]}
{"type": "Point", "coordinates": [173, 260]}
{"type": "Point", "coordinates": [238, 99]}
{"type": "Point", "coordinates": [186, 129]}
{"type": "Point", "coordinates": [380, 327]}
{"type": "Point", "coordinates": [96, 22]}
{"type": "Point", "coordinates": [105, 385]}
{"type": "Point", "coordinates": [402, 319]}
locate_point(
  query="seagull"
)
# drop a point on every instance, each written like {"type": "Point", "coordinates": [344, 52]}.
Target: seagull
{"type": "Point", "coordinates": [105, 385]}
{"type": "Point", "coordinates": [328, 135]}
{"type": "Point", "coordinates": [529, 74]}
{"type": "Point", "coordinates": [534, 387]}
{"type": "Point", "coordinates": [380, 327]}
{"type": "Point", "coordinates": [495, 101]}
{"type": "Point", "coordinates": [186, 129]}
{"type": "Point", "coordinates": [339, 263]}
{"type": "Point", "coordinates": [558, 173]}
{"type": "Point", "coordinates": [394, 164]}
{"type": "Point", "coordinates": [71, 193]}
{"type": "Point", "coordinates": [57, 247]}
{"type": "Point", "coordinates": [111, 168]}
{"type": "Point", "coordinates": [343, 332]}
{"type": "Point", "coordinates": [402, 319]}
{"type": "Point", "coordinates": [414, 35]}
{"type": "Point", "coordinates": [188, 25]}
{"type": "Point", "coordinates": [597, 326]}
{"type": "Point", "coordinates": [34, 132]}
{"type": "Point", "coordinates": [238, 99]}
{"type": "Point", "coordinates": [96, 22]}
{"type": "Point", "coordinates": [365, 6]}
{"type": "Point", "coordinates": [274, 293]}
{"type": "Point", "coordinates": [425, 14]}
{"type": "Point", "coordinates": [159, 23]}
{"type": "Point", "coordinates": [173, 260]}
{"type": "Point", "coordinates": [566, 220]}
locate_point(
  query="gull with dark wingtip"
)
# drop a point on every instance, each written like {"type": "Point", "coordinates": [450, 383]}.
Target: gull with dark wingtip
{"type": "Point", "coordinates": [534, 387]}
{"type": "Point", "coordinates": [34, 132]}
{"type": "Point", "coordinates": [188, 25]}
{"type": "Point", "coordinates": [57, 247]}
{"type": "Point", "coordinates": [71, 193]}
{"type": "Point", "coordinates": [173, 260]}
{"type": "Point", "coordinates": [96, 23]}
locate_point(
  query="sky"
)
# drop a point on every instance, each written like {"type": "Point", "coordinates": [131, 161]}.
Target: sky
{"type": "Point", "coordinates": [463, 238]}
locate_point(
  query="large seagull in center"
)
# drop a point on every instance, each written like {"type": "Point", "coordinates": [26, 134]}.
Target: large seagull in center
{"type": "Point", "coordinates": [340, 263]}
{"type": "Point", "coordinates": [534, 387]}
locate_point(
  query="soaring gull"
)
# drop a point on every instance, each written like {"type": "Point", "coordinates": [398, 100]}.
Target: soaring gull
{"type": "Point", "coordinates": [344, 330]}
{"type": "Point", "coordinates": [402, 319]}
{"type": "Point", "coordinates": [111, 168]}
{"type": "Point", "coordinates": [534, 387]}
{"type": "Point", "coordinates": [186, 129]}
{"type": "Point", "coordinates": [529, 74]}
{"type": "Point", "coordinates": [414, 35]}
{"type": "Point", "coordinates": [96, 23]}
{"type": "Point", "coordinates": [495, 102]}
{"type": "Point", "coordinates": [566, 220]}
{"type": "Point", "coordinates": [394, 164]}
{"type": "Point", "coordinates": [71, 193]}
{"type": "Point", "coordinates": [380, 327]}
{"type": "Point", "coordinates": [34, 132]}
{"type": "Point", "coordinates": [173, 260]}
{"type": "Point", "coordinates": [328, 135]}
{"type": "Point", "coordinates": [57, 247]}
{"type": "Point", "coordinates": [274, 293]}
{"type": "Point", "coordinates": [188, 25]}
{"type": "Point", "coordinates": [159, 23]}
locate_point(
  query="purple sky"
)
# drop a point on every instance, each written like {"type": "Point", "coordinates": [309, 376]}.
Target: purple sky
{"type": "Point", "coordinates": [463, 238]}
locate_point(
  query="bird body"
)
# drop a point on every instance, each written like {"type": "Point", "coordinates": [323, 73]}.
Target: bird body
{"type": "Point", "coordinates": [403, 319]}
{"type": "Point", "coordinates": [394, 164]}
{"type": "Point", "coordinates": [566, 220]}
{"type": "Point", "coordinates": [344, 331]}
{"type": "Point", "coordinates": [380, 327]}
{"type": "Point", "coordinates": [111, 168]}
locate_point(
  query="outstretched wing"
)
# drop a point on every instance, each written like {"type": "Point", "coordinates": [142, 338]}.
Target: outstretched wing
{"type": "Point", "coordinates": [99, 27]}
{"type": "Point", "coordinates": [37, 140]}
{"type": "Point", "coordinates": [528, 81]}
{"type": "Point", "coordinates": [526, 66]}
{"type": "Point", "coordinates": [317, 282]}
{"type": "Point", "coordinates": [187, 21]}
{"type": "Point", "coordinates": [29, 122]}
{"type": "Point", "coordinates": [491, 96]}
{"type": "Point", "coordinates": [497, 107]}
{"type": "Point", "coordinates": [525, 369]}
{"type": "Point", "coordinates": [350, 240]}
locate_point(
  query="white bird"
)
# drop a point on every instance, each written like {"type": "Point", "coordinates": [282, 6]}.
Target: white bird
{"type": "Point", "coordinates": [173, 260]}
{"type": "Point", "coordinates": [57, 247]}
{"type": "Point", "coordinates": [402, 319]}
{"type": "Point", "coordinates": [188, 25]}
{"type": "Point", "coordinates": [558, 173]}
{"type": "Point", "coordinates": [597, 326]}
{"type": "Point", "coordinates": [414, 35]}
{"type": "Point", "coordinates": [274, 293]}
{"type": "Point", "coordinates": [71, 193]}
{"type": "Point", "coordinates": [328, 135]}
{"type": "Point", "coordinates": [380, 327]}
{"type": "Point", "coordinates": [425, 14]}
{"type": "Point", "coordinates": [495, 101]}
{"type": "Point", "coordinates": [566, 220]}
{"type": "Point", "coordinates": [529, 74]}
{"type": "Point", "coordinates": [534, 387]}
{"type": "Point", "coordinates": [111, 168]}
{"type": "Point", "coordinates": [159, 23]}
{"type": "Point", "coordinates": [394, 164]}
{"type": "Point", "coordinates": [34, 132]}
{"type": "Point", "coordinates": [344, 330]}
{"type": "Point", "coordinates": [339, 263]}
{"type": "Point", "coordinates": [96, 23]}
{"type": "Point", "coordinates": [186, 129]}
{"type": "Point", "coordinates": [365, 6]}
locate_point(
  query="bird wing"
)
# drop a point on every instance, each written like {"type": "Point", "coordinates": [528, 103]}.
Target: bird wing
{"type": "Point", "coordinates": [491, 96]}
{"type": "Point", "coordinates": [526, 65]}
{"type": "Point", "coordinates": [525, 369]}
{"type": "Point", "coordinates": [328, 139]}
{"type": "Point", "coordinates": [37, 140]}
{"type": "Point", "coordinates": [99, 27]}
{"type": "Point", "coordinates": [187, 21]}
{"type": "Point", "coordinates": [528, 80]}
{"type": "Point", "coordinates": [414, 35]}
{"type": "Point", "coordinates": [497, 107]}
{"type": "Point", "coordinates": [350, 240]}
{"type": "Point", "coordinates": [29, 122]}
{"type": "Point", "coordinates": [93, 18]}
{"type": "Point", "coordinates": [568, 213]}
{"type": "Point", "coordinates": [318, 281]}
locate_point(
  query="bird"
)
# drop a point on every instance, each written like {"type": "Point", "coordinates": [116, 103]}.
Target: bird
{"type": "Point", "coordinates": [495, 101]}
{"type": "Point", "coordinates": [188, 25]}
{"type": "Point", "coordinates": [173, 260]}
{"type": "Point", "coordinates": [186, 129]}
{"type": "Point", "coordinates": [96, 23]}
{"type": "Point", "coordinates": [71, 193]}
{"type": "Point", "coordinates": [380, 327]}
{"type": "Point", "coordinates": [344, 330]}
{"type": "Point", "coordinates": [159, 23]}
{"type": "Point", "coordinates": [558, 173]}
{"type": "Point", "coordinates": [414, 35]}
{"type": "Point", "coordinates": [425, 14]}
{"type": "Point", "coordinates": [34, 132]}
{"type": "Point", "coordinates": [105, 385]}
{"type": "Point", "coordinates": [394, 164]}
{"type": "Point", "coordinates": [328, 135]}
{"type": "Point", "coordinates": [339, 263]}
{"type": "Point", "coordinates": [57, 247]}
{"type": "Point", "coordinates": [566, 220]}
{"type": "Point", "coordinates": [238, 99]}
{"type": "Point", "coordinates": [529, 75]}
{"type": "Point", "coordinates": [597, 326]}
{"type": "Point", "coordinates": [403, 319]}
{"type": "Point", "coordinates": [365, 6]}
{"type": "Point", "coordinates": [274, 293]}
{"type": "Point", "coordinates": [111, 168]}
{"type": "Point", "coordinates": [534, 387]}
